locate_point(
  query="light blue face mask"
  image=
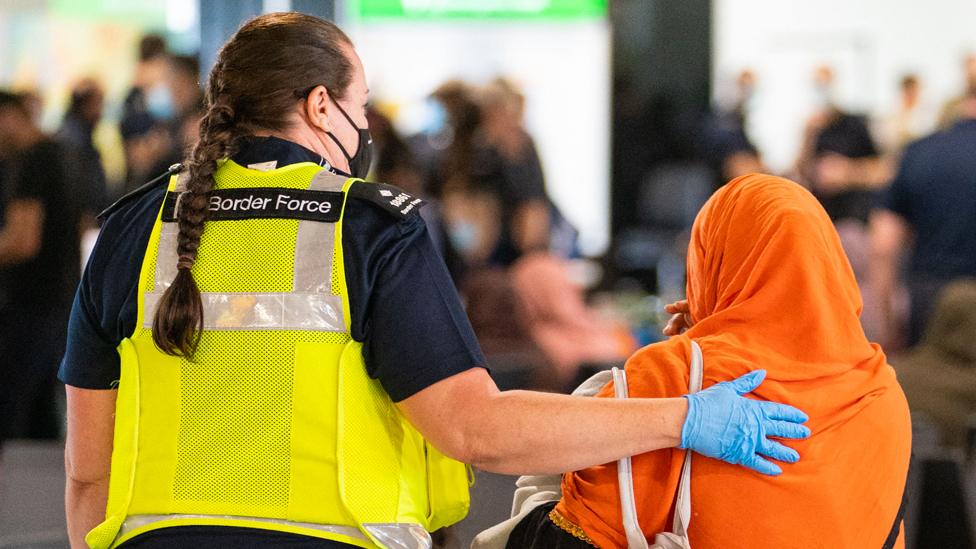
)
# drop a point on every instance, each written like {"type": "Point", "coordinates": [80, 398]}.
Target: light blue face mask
{"type": "Point", "coordinates": [159, 102]}
{"type": "Point", "coordinates": [463, 236]}
{"type": "Point", "coordinates": [435, 117]}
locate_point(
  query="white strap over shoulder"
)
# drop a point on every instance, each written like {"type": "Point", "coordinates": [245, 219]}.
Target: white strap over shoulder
{"type": "Point", "coordinates": [678, 539]}
{"type": "Point", "coordinates": [625, 478]}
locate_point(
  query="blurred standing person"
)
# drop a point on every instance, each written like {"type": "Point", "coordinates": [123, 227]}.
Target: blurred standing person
{"type": "Point", "coordinates": [470, 206]}
{"type": "Point", "coordinates": [447, 148]}
{"type": "Point", "coordinates": [933, 199]}
{"type": "Point", "coordinates": [39, 267]}
{"type": "Point", "coordinates": [839, 159]}
{"type": "Point", "coordinates": [183, 124]}
{"type": "Point", "coordinates": [185, 86]}
{"type": "Point", "coordinates": [395, 161]}
{"type": "Point", "coordinates": [953, 109]}
{"type": "Point", "coordinates": [147, 145]}
{"type": "Point", "coordinates": [150, 91]}
{"type": "Point", "coordinates": [510, 162]}
{"type": "Point", "coordinates": [727, 146]}
{"type": "Point", "coordinates": [910, 120]}
{"type": "Point", "coordinates": [75, 135]}
{"type": "Point", "coordinates": [145, 111]}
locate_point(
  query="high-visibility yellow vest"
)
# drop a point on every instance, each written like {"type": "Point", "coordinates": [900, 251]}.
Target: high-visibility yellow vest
{"type": "Point", "coordinates": [275, 423]}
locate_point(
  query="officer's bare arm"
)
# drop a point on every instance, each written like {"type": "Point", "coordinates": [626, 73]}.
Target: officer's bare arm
{"type": "Point", "coordinates": [87, 459]}
{"type": "Point", "coordinates": [20, 236]}
{"type": "Point", "coordinates": [525, 432]}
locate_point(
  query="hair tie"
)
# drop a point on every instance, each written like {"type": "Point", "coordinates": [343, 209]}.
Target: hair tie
{"type": "Point", "coordinates": [185, 262]}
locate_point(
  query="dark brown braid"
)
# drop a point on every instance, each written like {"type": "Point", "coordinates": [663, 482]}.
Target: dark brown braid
{"type": "Point", "coordinates": [260, 76]}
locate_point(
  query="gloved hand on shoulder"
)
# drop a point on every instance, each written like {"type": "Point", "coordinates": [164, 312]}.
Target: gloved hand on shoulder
{"type": "Point", "coordinates": [722, 424]}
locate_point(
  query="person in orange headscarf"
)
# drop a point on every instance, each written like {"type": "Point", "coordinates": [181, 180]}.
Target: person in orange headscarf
{"type": "Point", "coordinates": [768, 287]}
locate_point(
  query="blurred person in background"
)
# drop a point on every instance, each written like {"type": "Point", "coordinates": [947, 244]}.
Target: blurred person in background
{"type": "Point", "coordinates": [930, 209]}
{"type": "Point", "coordinates": [39, 259]}
{"type": "Point", "coordinates": [509, 163]}
{"type": "Point", "coordinates": [185, 86]}
{"type": "Point", "coordinates": [496, 313]}
{"type": "Point", "coordinates": [147, 145]}
{"type": "Point", "coordinates": [34, 102]}
{"type": "Point", "coordinates": [911, 119]}
{"type": "Point", "coordinates": [446, 150]}
{"type": "Point", "coordinates": [838, 158]}
{"type": "Point", "coordinates": [148, 140]}
{"type": "Point", "coordinates": [470, 205]}
{"type": "Point", "coordinates": [939, 374]}
{"type": "Point", "coordinates": [183, 124]}
{"type": "Point", "coordinates": [727, 146]}
{"type": "Point", "coordinates": [75, 135]}
{"type": "Point", "coordinates": [150, 92]}
{"type": "Point", "coordinates": [573, 336]}
{"type": "Point", "coordinates": [954, 108]}
{"type": "Point", "coordinates": [394, 160]}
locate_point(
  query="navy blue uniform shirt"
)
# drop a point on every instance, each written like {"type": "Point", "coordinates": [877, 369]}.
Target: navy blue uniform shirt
{"type": "Point", "coordinates": [935, 192]}
{"type": "Point", "coordinates": [404, 306]}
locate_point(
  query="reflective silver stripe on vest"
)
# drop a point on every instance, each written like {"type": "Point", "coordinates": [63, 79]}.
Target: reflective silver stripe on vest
{"type": "Point", "coordinates": [134, 522]}
{"type": "Point", "coordinates": [310, 306]}
{"type": "Point", "coordinates": [398, 535]}
{"type": "Point", "coordinates": [389, 536]}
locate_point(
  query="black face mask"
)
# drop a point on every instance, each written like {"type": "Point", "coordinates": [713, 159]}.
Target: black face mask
{"type": "Point", "coordinates": [359, 162]}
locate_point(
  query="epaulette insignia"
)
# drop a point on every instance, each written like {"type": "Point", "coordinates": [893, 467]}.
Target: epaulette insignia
{"type": "Point", "coordinates": [393, 200]}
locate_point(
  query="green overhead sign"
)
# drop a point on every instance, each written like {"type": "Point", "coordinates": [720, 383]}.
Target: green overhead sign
{"type": "Point", "coordinates": [140, 12]}
{"type": "Point", "coordinates": [479, 9]}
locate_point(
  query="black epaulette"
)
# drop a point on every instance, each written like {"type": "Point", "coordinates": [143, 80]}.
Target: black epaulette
{"type": "Point", "coordinates": [161, 179]}
{"type": "Point", "coordinates": [392, 200]}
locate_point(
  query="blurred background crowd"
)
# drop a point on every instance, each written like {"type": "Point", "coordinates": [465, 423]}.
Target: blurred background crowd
{"type": "Point", "coordinates": [563, 147]}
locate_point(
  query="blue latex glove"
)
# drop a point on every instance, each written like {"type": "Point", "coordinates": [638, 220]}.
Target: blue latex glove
{"type": "Point", "coordinates": [722, 424]}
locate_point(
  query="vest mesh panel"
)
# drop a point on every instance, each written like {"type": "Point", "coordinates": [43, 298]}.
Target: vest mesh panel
{"type": "Point", "coordinates": [219, 459]}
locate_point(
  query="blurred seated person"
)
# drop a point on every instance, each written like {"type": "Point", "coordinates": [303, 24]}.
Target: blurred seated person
{"type": "Point", "coordinates": [493, 307]}
{"type": "Point", "coordinates": [768, 287]}
{"type": "Point", "coordinates": [471, 219]}
{"type": "Point", "coordinates": [939, 374]}
{"type": "Point", "coordinates": [839, 158]}
{"type": "Point", "coordinates": [570, 334]}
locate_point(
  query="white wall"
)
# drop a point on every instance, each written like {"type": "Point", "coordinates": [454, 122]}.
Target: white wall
{"type": "Point", "coordinates": [871, 43]}
{"type": "Point", "coordinates": [564, 69]}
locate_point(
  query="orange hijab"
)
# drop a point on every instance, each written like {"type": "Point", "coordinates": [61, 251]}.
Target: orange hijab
{"type": "Point", "coordinates": [769, 287]}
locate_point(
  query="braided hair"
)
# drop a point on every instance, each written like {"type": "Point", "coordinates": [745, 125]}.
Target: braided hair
{"type": "Point", "coordinates": [261, 74]}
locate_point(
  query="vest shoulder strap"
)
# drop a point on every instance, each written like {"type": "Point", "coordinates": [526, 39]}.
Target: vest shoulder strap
{"type": "Point", "coordinates": [159, 181]}
{"type": "Point", "coordinates": [390, 199]}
